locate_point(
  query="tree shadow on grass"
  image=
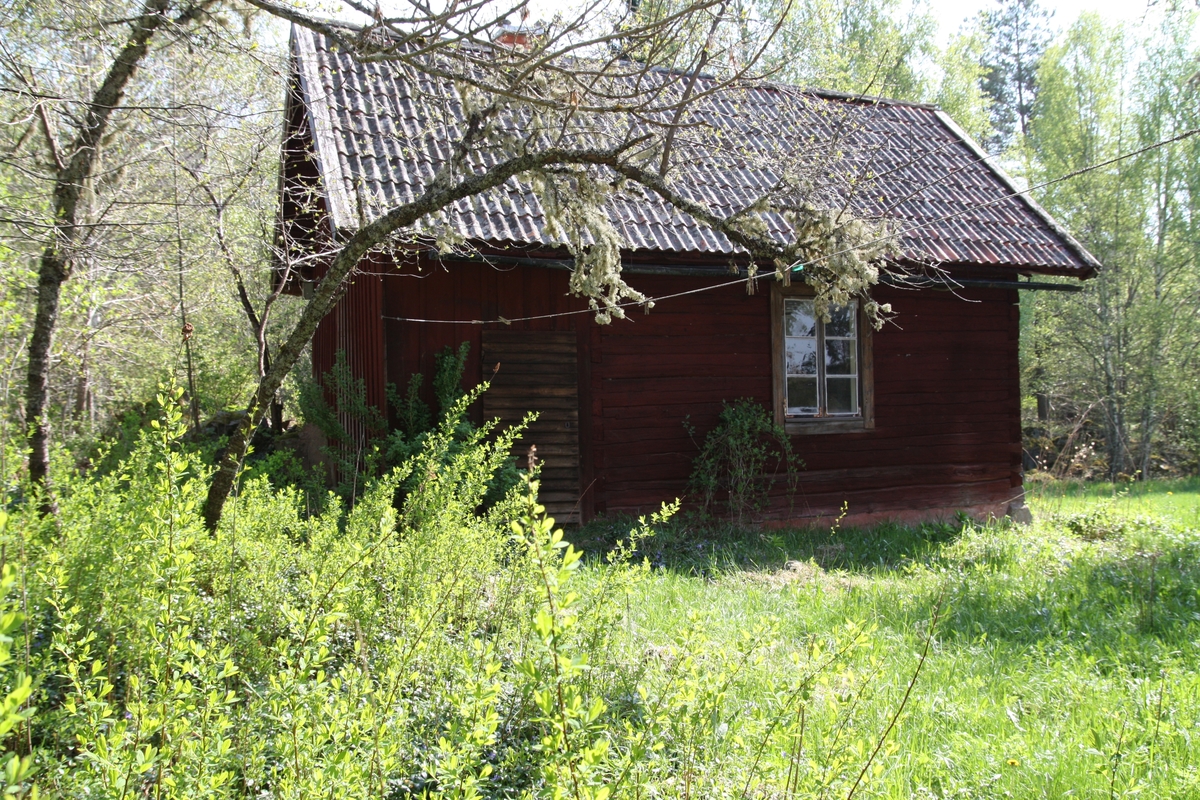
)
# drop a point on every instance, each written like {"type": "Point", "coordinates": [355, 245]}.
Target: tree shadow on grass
{"type": "Point", "coordinates": [697, 546]}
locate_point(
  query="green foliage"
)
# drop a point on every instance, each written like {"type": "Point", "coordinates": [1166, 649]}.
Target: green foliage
{"type": "Point", "coordinates": [959, 93]}
{"type": "Point", "coordinates": [367, 450]}
{"type": "Point", "coordinates": [1100, 522]}
{"type": "Point", "coordinates": [442, 649]}
{"type": "Point", "coordinates": [733, 459]}
{"type": "Point", "coordinates": [16, 770]}
{"type": "Point", "coordinates": [1015, 36]}
{"type": "Point", "coordinates": [447, 376]}
{"type": "Point", "coordinates": [860, 47]}
{"type": "Point", "coordinates": [1116, 364]}
{"type": "Point", "coordinates": [433, 649]}
{"type": "Point", "coordinates": [1057, 663]}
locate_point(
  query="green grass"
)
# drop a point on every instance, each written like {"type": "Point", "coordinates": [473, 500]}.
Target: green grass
{"type": "Point", "coordinates": [1066, 657]}
{"type": "Point", "coordinates": [1176, 500]}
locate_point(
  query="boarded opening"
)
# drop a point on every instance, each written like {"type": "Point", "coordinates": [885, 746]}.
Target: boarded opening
{"type": "Point", "coordinates": [539, 371]}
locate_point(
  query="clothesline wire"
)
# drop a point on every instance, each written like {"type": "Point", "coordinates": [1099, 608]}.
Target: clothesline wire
{"type": "Point", "coordinates": [1187, 134]}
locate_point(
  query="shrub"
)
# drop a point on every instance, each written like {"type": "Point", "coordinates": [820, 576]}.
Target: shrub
{"type": "Point", "coordinates": [734, 457]}
{"type": "Point", "coordinates": [438, 648]}
{"type": "Point", "coordinates": [372, 450]}
{"type": "Point", "coordinates": [16, 770]}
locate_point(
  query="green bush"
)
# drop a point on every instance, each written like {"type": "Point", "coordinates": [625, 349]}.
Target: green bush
{"type": "Point", "coordinates": [734, 457]}
{"type": "Point", "coordinates": [442, 648]}
{"type": "Point", "coordinates": [372, 450]}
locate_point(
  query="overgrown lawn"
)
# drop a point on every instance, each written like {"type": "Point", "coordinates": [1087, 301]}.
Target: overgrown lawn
{"type": "Point", "coordinates": [1064, 661]}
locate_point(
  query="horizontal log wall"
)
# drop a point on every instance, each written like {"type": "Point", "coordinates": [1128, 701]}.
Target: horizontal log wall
{"type": "Point", "coordinates": [947, 432]}
{"type": "Point", "coordinates": [946, 383]}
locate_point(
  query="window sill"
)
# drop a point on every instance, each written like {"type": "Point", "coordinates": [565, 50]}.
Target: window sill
{"type": "Point", "coordinates": [818, 426]}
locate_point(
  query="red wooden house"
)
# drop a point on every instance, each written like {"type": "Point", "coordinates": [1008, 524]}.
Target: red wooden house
{"type": "Point", "coordinates": [920, 419]}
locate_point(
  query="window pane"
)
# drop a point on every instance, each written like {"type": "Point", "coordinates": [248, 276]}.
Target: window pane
{"type": "Point", "coordinates": [802, 356]}
{"type": "Point", "coordinates": [843, 397]}
{"type": "Point", "coordinates": [799, 319]}
{"type": "Point", "coordinates": [839, 356]}
{"type": "Point", "coordinates": [841, 320]}
{"type": "Point", "coordinates": [802, 395]}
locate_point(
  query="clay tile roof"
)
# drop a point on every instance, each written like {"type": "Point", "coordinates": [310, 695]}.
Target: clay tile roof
{"type": "Point", "coordinates": [376, 147]}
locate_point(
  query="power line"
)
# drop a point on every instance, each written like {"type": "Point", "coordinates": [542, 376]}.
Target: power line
{"type": "Point", "coordinates": [916, 227]}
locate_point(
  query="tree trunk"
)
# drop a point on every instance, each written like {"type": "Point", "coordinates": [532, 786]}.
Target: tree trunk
{"type": "Point", "coordinates": [52, 271]}
{"type": "Point", "coordinates": [57, 258]}
{"type": "Point", "coordinates": [1043, 406]}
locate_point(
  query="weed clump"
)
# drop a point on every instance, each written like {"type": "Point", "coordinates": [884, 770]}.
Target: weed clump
{"type": "Point", "coordinates": [733, 460]}
{"type": "Point", "coordinates": [1096, 524]}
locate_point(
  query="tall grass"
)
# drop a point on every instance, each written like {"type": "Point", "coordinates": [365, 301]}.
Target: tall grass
{"type": "Point", "coordinates": [1066, 661]}
{"type": "Point", "coordinates": [448, 647]}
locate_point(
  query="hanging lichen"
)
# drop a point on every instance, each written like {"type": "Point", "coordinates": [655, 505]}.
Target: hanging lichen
{"type": "Point", "coordinates": [575, 206]}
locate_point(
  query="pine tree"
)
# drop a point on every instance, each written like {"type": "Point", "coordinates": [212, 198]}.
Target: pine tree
{"type": "Point", "coordinates": [1016, 35]}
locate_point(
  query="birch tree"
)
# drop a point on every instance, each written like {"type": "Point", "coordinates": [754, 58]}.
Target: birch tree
{"type": "Point", "coordinates": [1124, 351]}
{"type": "Point", "coordinates": [74, 138]}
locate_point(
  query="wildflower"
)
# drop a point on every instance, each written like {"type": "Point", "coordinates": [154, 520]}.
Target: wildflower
{"type": "Point", "coordinates": [1012, 762]}
{"type": "Point", "coordinates": [1170, 493]}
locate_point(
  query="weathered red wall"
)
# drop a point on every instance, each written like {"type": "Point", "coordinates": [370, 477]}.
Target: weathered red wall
{"type": "Point", "coordinates": [465, 292]}
{"type": "Point", "coordinates": [947, 433]}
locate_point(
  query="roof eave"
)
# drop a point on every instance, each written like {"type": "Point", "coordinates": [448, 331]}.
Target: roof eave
{"type": "Point", "coordinates": [1091, 263]}
{"type": "Point", "coordinates": [320, 123]}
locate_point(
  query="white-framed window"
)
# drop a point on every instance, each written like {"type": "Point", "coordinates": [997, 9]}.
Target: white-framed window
{"type": "Point", "coordinates": [821, 360]}
{"type": "Point", "coordinates": [822, 369]}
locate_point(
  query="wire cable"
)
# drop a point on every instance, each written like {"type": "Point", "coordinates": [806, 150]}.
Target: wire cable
{"type": "Point", "coordinates": [1187, 134]}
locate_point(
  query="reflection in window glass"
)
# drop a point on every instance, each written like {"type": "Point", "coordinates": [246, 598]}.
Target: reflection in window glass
{"type": "Point", "coordinates": [842, 397]}
{"type": "Point", "coordinates": [802, 356]}
{"type": "Point", "coordinates": [841, 321]}
{"type": "Point", "coordinates": [802, 395]}
{"type": "Point", "coordinates": [800, 319]}
{"type": "Point", "coordinates": [820, 386]}
{"type": "Point", "coordinates": [839, 356]}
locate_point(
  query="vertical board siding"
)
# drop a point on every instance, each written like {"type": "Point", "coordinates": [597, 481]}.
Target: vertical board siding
{"type": "Point", "coordinates": [354, 328]}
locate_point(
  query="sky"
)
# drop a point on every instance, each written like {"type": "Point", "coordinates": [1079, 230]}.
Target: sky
{"type": "Point", "coordinates": [950, 14]}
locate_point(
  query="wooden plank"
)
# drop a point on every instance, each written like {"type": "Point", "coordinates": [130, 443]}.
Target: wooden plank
{"type": "Point", "coordinates": [664, 347]}
{"type": "Point", "coordinates": [718, 368]}
{"type": "Point", "coordinates": [620, 363]}
{"type": "Point", "coordinates": [688, 328]}
{"type": "Point", "coordinates": [553, 407]}
{"type": "Point", "coordinates": [533, 389]}
{"type": "Point", "coordinates": [499, 335]}
{"type": "Point", "coordinates": [705, 393]}
{"type": "Point", "coordinates": [538, 373]}
{"type": "Point", "coordinates": [546, 369]}
{"type": "Point", "coordinates": [550, 348]}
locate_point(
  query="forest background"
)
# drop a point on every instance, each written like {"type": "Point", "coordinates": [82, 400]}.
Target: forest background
{"type": "Point", "coordinates": [172, 276]}
{"type": "Point", "coordinates": [435, 636]}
